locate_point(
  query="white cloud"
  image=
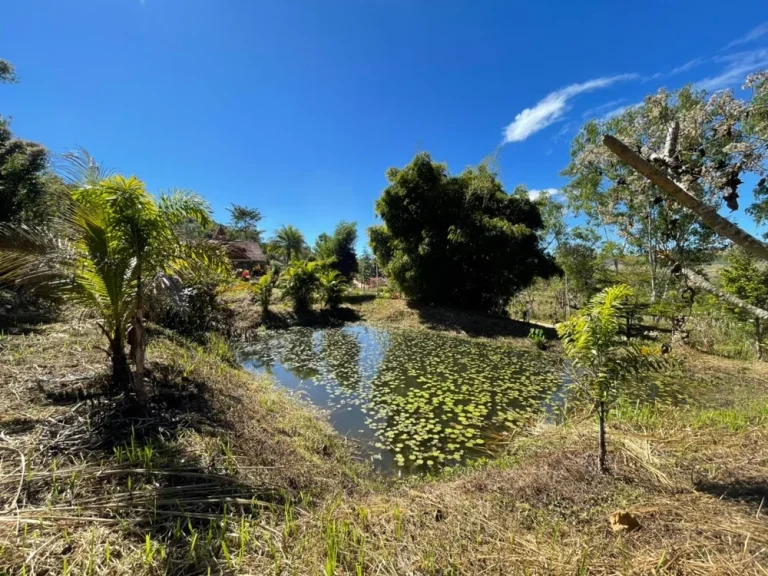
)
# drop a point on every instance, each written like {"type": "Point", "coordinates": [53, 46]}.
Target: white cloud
{"type": "Point", "coordinates": [617, 111]}
{"type": "Point", "coordinates": [535, 194]}
{"type": "Point", "coordinates": [751, 36]}
{"type": "Point", "coordinates": [678, 70]}
{"type": "Point", "coordinates": [552, 107]}
{"type": "Point", "coordinates": [737, 66]}
{"type": "Point", "coordinates": [593, 112]}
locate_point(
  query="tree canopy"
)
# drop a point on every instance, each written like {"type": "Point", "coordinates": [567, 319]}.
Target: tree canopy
{"type": "Point", "coordinates": [457, 240]}
{"type": "Point", "coordinates": [339, 248]}
{"type": "Point", "coordinates": [243, 223]}
{"type": "Point", "coordinates": [289, 242]}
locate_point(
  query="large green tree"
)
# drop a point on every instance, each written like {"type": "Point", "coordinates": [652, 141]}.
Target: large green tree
{"type": "Point", "coordinates": [711, 152]}
{"type": "Point", "coordinates": [457, 240]}
{"type": "Point", "coordinates": [339, 249]}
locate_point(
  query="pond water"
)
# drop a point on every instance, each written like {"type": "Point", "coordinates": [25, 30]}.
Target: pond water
{"type": "Point", "coordinates": [415, 400]}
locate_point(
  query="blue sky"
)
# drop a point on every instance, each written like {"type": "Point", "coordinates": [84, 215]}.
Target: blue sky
{"type": "Point", "coordinates": [299, 107]}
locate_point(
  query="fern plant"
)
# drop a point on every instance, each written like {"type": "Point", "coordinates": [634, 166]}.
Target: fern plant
{"type": "Point", "coordinates": [602, 359]}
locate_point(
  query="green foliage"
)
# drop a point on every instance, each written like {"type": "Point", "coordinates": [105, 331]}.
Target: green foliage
{"type": "Point", "coordinates": [300, 282]}
{"type": "Point", "coordinates": [580, 264]}
{"type": "Point", "coordinates": [365, 267]}
{"type": "Point", "coordinates": [243, 223]}
{"type": "Point", "coordinates": [593, 342]}
{"type": "Point", "coordinates": [536, 335]}
{"type": "Point", "coordinates": [289, 243]}
{"type": "Point", "coordinates": [711, 154]}
{"type": "Point", "coordinates": [7, 72]}
{"type": "Point", "coordinates": [457, 240]}
{"type": "Point", "coordinates": [339, 249]}
{"type": "Point", "coordinates": [332, 287]}
{"type": "Point", "coordinates": [602, 359]}
{"type": "Point", "coordinates": [108, 244]}
{"type": "Point", "coordinates": [23, 179]}
{"type": "Point", "coordinates": [746, 279]}
{"type": "Point", "coordinates": [262, 291]}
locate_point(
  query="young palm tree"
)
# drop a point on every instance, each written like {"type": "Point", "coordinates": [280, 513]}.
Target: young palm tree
{"type": "Point", "coordinates": [290, 241]}
{"type": "Point", "coordinates": [109, 241]}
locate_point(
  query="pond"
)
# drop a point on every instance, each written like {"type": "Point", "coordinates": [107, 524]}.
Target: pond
{"type": "Point", "coordinates": [416, 401]}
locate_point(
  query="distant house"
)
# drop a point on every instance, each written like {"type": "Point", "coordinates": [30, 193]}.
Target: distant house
{"type": "Point", "coordinates": [244, 254]}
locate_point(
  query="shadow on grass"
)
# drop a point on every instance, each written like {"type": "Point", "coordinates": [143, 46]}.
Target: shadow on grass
{"type": "Point", "coordinates": [475, 323]}
{"type": "Point", "coordinates": [323, 318]}
{"type": "Point", "coordinates": [359, 298]}
{"type": "Point", "coordinates": [188, 499]}
{"type": "Point", "coordinates": [749, 491]}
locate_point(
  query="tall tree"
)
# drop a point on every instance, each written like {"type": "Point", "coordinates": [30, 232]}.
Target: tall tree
{"type": "Point", "coordinates": [365, 266]}
{"type": "Point", "coordinates": [711, 152]}
{"type": "Point", "coordinates": [243, 223]}
{"type": "Point", "coordinates": [748, 281]}
{"type": "Point", "coordinates": [339, 248]}
{"type": "Point", "coordinates": [23, 178]}
{"type": "Point", "coordinates": [457, 240]}
{"type": "Point", "coordinates": [290, 242]}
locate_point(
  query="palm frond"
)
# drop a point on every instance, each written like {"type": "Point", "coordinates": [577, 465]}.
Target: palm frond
{"type": "Point", "coordinates": [180, 206]}
{"type": "Point", "coordinates": [78, 168]}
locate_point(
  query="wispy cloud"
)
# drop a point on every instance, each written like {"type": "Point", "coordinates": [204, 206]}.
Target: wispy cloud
{"type": "Point", "coordinates": [737, 66]}
{"type": "Point", "coordinates": [535, 194]}
{"type": "Point", "coordinates": [597, 110]}
{"type": "Point", "coordinates": [618, 111]}
{"type": "Point", "coordinates": [552, 107]}
{"type": "Point", "coordinates": [751, 36]}
{"type": "Point", "coordinates": [678, 70]}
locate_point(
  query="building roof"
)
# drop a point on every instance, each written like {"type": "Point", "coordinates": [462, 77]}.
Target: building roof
{"type": "Point", "coordinates": [247, 251]}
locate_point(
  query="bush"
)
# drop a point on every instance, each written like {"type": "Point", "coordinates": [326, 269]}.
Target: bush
{"type": "Point", "coordinates": [332, 287]}
{"type": "Point", "coordinates": [536, 335]}
{"type": "Point", "coordinates": [192, 310]}
{"type": "Point", "coordinates": [300, 282]}
{"type": "Point", "coordinates": [262, 291]}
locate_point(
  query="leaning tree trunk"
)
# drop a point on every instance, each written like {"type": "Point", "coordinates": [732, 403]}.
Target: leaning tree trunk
{"type": "Point", "coordinates": [706, 214]}
{"type": "Point", "coordinates": [759, 336]}
{"type": "Point", "coordinates": [700, 282]}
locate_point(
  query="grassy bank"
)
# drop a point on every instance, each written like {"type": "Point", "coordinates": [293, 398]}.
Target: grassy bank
{"type": "Point", "coordinates": [224, 474]}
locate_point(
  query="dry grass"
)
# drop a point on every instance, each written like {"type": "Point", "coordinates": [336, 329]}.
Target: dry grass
{"type": "Point", "coordinates": [226, 475]}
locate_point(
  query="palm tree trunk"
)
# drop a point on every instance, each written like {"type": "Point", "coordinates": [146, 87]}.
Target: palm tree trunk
{"type": "Point", "coordinates": [140, 345]}
{"type": "Point", "coordinates": [121, 372]}
{"type": "Point", "coordinates": [601, 454]}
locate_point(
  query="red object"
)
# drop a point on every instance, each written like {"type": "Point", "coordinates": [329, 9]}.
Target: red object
{"type": "Point", "coordinates": [246, 275]}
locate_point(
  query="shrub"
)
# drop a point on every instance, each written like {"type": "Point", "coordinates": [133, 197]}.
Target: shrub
{"type": "Point", "coordinates": [300, 282]}
{"type": "Point", "coordinates": [536, 335]}
{"type": "Point", "coordinates": [191, 310]}
{"type": "Point", "coordinates": [262, 291]}
{"type": "Point", "coordinates": [332, 288]}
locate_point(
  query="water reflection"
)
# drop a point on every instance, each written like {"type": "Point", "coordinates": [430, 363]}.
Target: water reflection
{"type": "Point", "coordinates": [416, 400]}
